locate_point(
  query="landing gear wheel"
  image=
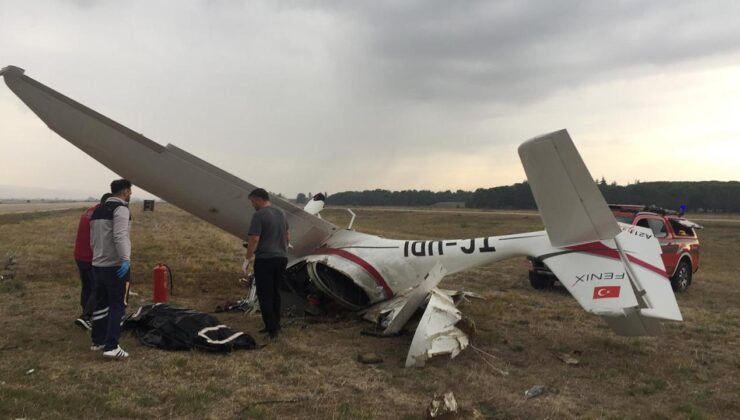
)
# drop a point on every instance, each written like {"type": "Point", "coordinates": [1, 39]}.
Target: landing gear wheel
{"type": "Point", "coordinates": [540, 282]}
{"type": "Point", "coordinates": [682, 278]}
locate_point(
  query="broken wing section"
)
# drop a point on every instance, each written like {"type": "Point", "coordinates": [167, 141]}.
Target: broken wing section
{"type": "Point", "coordinates": [393, 314]}
{"type": "Point", "coordinates": [436, 333]}
{"type": "Point", "coordinates": [168, 172]}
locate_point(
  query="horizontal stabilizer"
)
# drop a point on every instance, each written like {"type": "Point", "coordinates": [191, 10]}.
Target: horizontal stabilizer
{"type": "Point", "coordinates": [571, 206]}
{"type": "Point", "coordinates": [598, 282]}
{"type": "Point", "coordinates": [622, 280]}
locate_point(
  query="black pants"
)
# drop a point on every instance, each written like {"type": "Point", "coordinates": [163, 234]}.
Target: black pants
{"type": "Point", "coordinates": [87, 289]}
{"type": "Point", "coordinates": [111, 293]}
{"type": "Point", "coordinates": [268, 275]}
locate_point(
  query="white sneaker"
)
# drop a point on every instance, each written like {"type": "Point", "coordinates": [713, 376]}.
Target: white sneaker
{"type": "Point", "coordinates": [96, 347]}
{"type": "Point", "coordinates": [116, 353]}
{"type": "Point", "coordinates": [84, 324]}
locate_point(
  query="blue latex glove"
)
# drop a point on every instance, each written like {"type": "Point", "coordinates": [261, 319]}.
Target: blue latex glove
{"type": "Point", "coordinates": [123, 270]}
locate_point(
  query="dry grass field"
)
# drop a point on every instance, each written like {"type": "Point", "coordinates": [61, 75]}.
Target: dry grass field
{"type": "Point", "coordinates": [691, 371]}
{"type": "Point", "coordinates": [14, 206]}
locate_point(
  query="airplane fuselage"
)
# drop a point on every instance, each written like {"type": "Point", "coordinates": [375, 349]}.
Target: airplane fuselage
{"type": "Point", "coordinates": [380, 268]}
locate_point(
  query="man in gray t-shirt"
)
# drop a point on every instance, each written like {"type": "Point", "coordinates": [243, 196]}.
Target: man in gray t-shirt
{"type": "Point", "coordinates": [267, 246]}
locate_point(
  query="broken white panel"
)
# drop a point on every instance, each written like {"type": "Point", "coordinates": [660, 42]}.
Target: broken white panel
{"type": "Point", "coordinates": [378, 313]}
{"type": "Point", "coordinates": [461, 295]}
{"type": "Point", "coordinates": [416, 297]}
{"type": "Point", "coordinates": [314, 207]}
{"type": "Point", "coordinates": [442, 406]}
{"type": "Point", "coordinates": [393, 314]}
{"type": "Point", "coordinates": [436, 333]}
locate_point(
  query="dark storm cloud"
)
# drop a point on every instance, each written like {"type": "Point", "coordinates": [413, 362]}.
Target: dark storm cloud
{"type": "Point", "coordinates": [514, 51]}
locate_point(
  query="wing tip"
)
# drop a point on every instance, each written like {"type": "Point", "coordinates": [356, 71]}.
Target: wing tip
{"type": "Point", "coordinates": [11, 72]}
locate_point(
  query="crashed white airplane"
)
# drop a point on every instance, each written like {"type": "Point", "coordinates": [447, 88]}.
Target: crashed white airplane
{"type": "Point", "coordinates": [613, 270]}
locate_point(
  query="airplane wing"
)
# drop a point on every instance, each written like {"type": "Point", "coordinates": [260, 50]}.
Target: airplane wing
{"type": "Point", "coordinates": [168, 172]}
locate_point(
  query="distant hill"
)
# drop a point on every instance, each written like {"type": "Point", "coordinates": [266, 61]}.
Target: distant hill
{"type": "Point", "coordinates": [714, 196]}
{"type": "Point", "coordinates": [397, 198]}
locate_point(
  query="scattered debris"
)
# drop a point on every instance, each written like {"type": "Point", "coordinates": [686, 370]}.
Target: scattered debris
{"type": "Point", "coordinates": [8, 271]}
{"type": "Point", "coordinates": [483, 353]}
{"type": "Point", "coordinates": [10, 263]}
{"type": "Point", "coordinates": [369, 358]}
{"type": "Point", "coordinates": [442, 405]}
{"type": "Point", "coordinates": [393, 314]}
{"type": "Point", "coordinates": [226, 306]}
{"type": "Point", "coordinates": [436, 333]}
{"type": "Point", "coordinates": [567, 359]}
{"type": "Point", "coordinates": [461, 297]}
{"type": "Point", "coordinates": [535, 391]}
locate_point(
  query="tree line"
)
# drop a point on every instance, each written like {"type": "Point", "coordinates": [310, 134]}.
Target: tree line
{"type": "Point", "coordinates": [710, 196]}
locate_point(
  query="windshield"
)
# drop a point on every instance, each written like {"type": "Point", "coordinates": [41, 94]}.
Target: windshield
{"type": "Point", "coordinates": [624, 219]}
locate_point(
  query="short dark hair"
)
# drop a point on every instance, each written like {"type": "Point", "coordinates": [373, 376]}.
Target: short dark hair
{"type": "Point", "coordinates": [105, 197]}
{"type": "Point", "coordinates": [119, 185]}
{"type": "Point", "coordinates": [259, 193]}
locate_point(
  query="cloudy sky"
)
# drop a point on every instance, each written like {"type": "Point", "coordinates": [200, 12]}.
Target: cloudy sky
{"type": "Point", "coordinates": [336, 95]}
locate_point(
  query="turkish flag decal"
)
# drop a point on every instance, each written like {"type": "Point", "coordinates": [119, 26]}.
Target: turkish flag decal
{"type": "Point", "coordinates": [606, 292]}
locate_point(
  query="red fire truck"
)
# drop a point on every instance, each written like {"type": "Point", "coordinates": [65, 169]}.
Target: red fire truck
{"type": "Point", "coordinates": [676, 234]}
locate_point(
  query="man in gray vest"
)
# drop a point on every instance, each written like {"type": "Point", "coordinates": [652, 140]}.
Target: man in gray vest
{"type": "Point", "coordinates": [110, 227]}
{"type": "Point", "coordinates": [267, 249]}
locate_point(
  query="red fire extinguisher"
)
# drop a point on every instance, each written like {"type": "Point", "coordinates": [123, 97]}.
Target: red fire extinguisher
{"type": "Point", "coordinates": [162, 282]}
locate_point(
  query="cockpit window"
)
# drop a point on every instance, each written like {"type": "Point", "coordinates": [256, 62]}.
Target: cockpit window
{"type": "Point", "coordinates": [656, 225]}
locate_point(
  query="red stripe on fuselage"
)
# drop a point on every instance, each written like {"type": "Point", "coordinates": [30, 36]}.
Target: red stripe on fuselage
{"type": "Point", "coordinates": [362, 263]}
{"type": "Point", "coordinates": [597, 248]}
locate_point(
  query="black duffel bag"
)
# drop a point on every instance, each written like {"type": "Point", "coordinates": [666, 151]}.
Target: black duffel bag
{"type": "Point", "coordinates": [165, 327]}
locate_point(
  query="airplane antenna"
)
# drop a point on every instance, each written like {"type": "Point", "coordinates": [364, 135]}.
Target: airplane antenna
{"type": "Point", "coordinates": [352, 221]}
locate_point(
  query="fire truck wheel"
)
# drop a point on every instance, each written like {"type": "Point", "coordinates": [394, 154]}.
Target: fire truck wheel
{"type": "Point", "coordinates": [682, 278]}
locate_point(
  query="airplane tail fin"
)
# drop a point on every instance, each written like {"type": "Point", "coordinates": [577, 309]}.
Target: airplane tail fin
{"type": "Point", "coordinates": [612, 271]}
{"type": "Point", "coordinates": [572, 207]}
